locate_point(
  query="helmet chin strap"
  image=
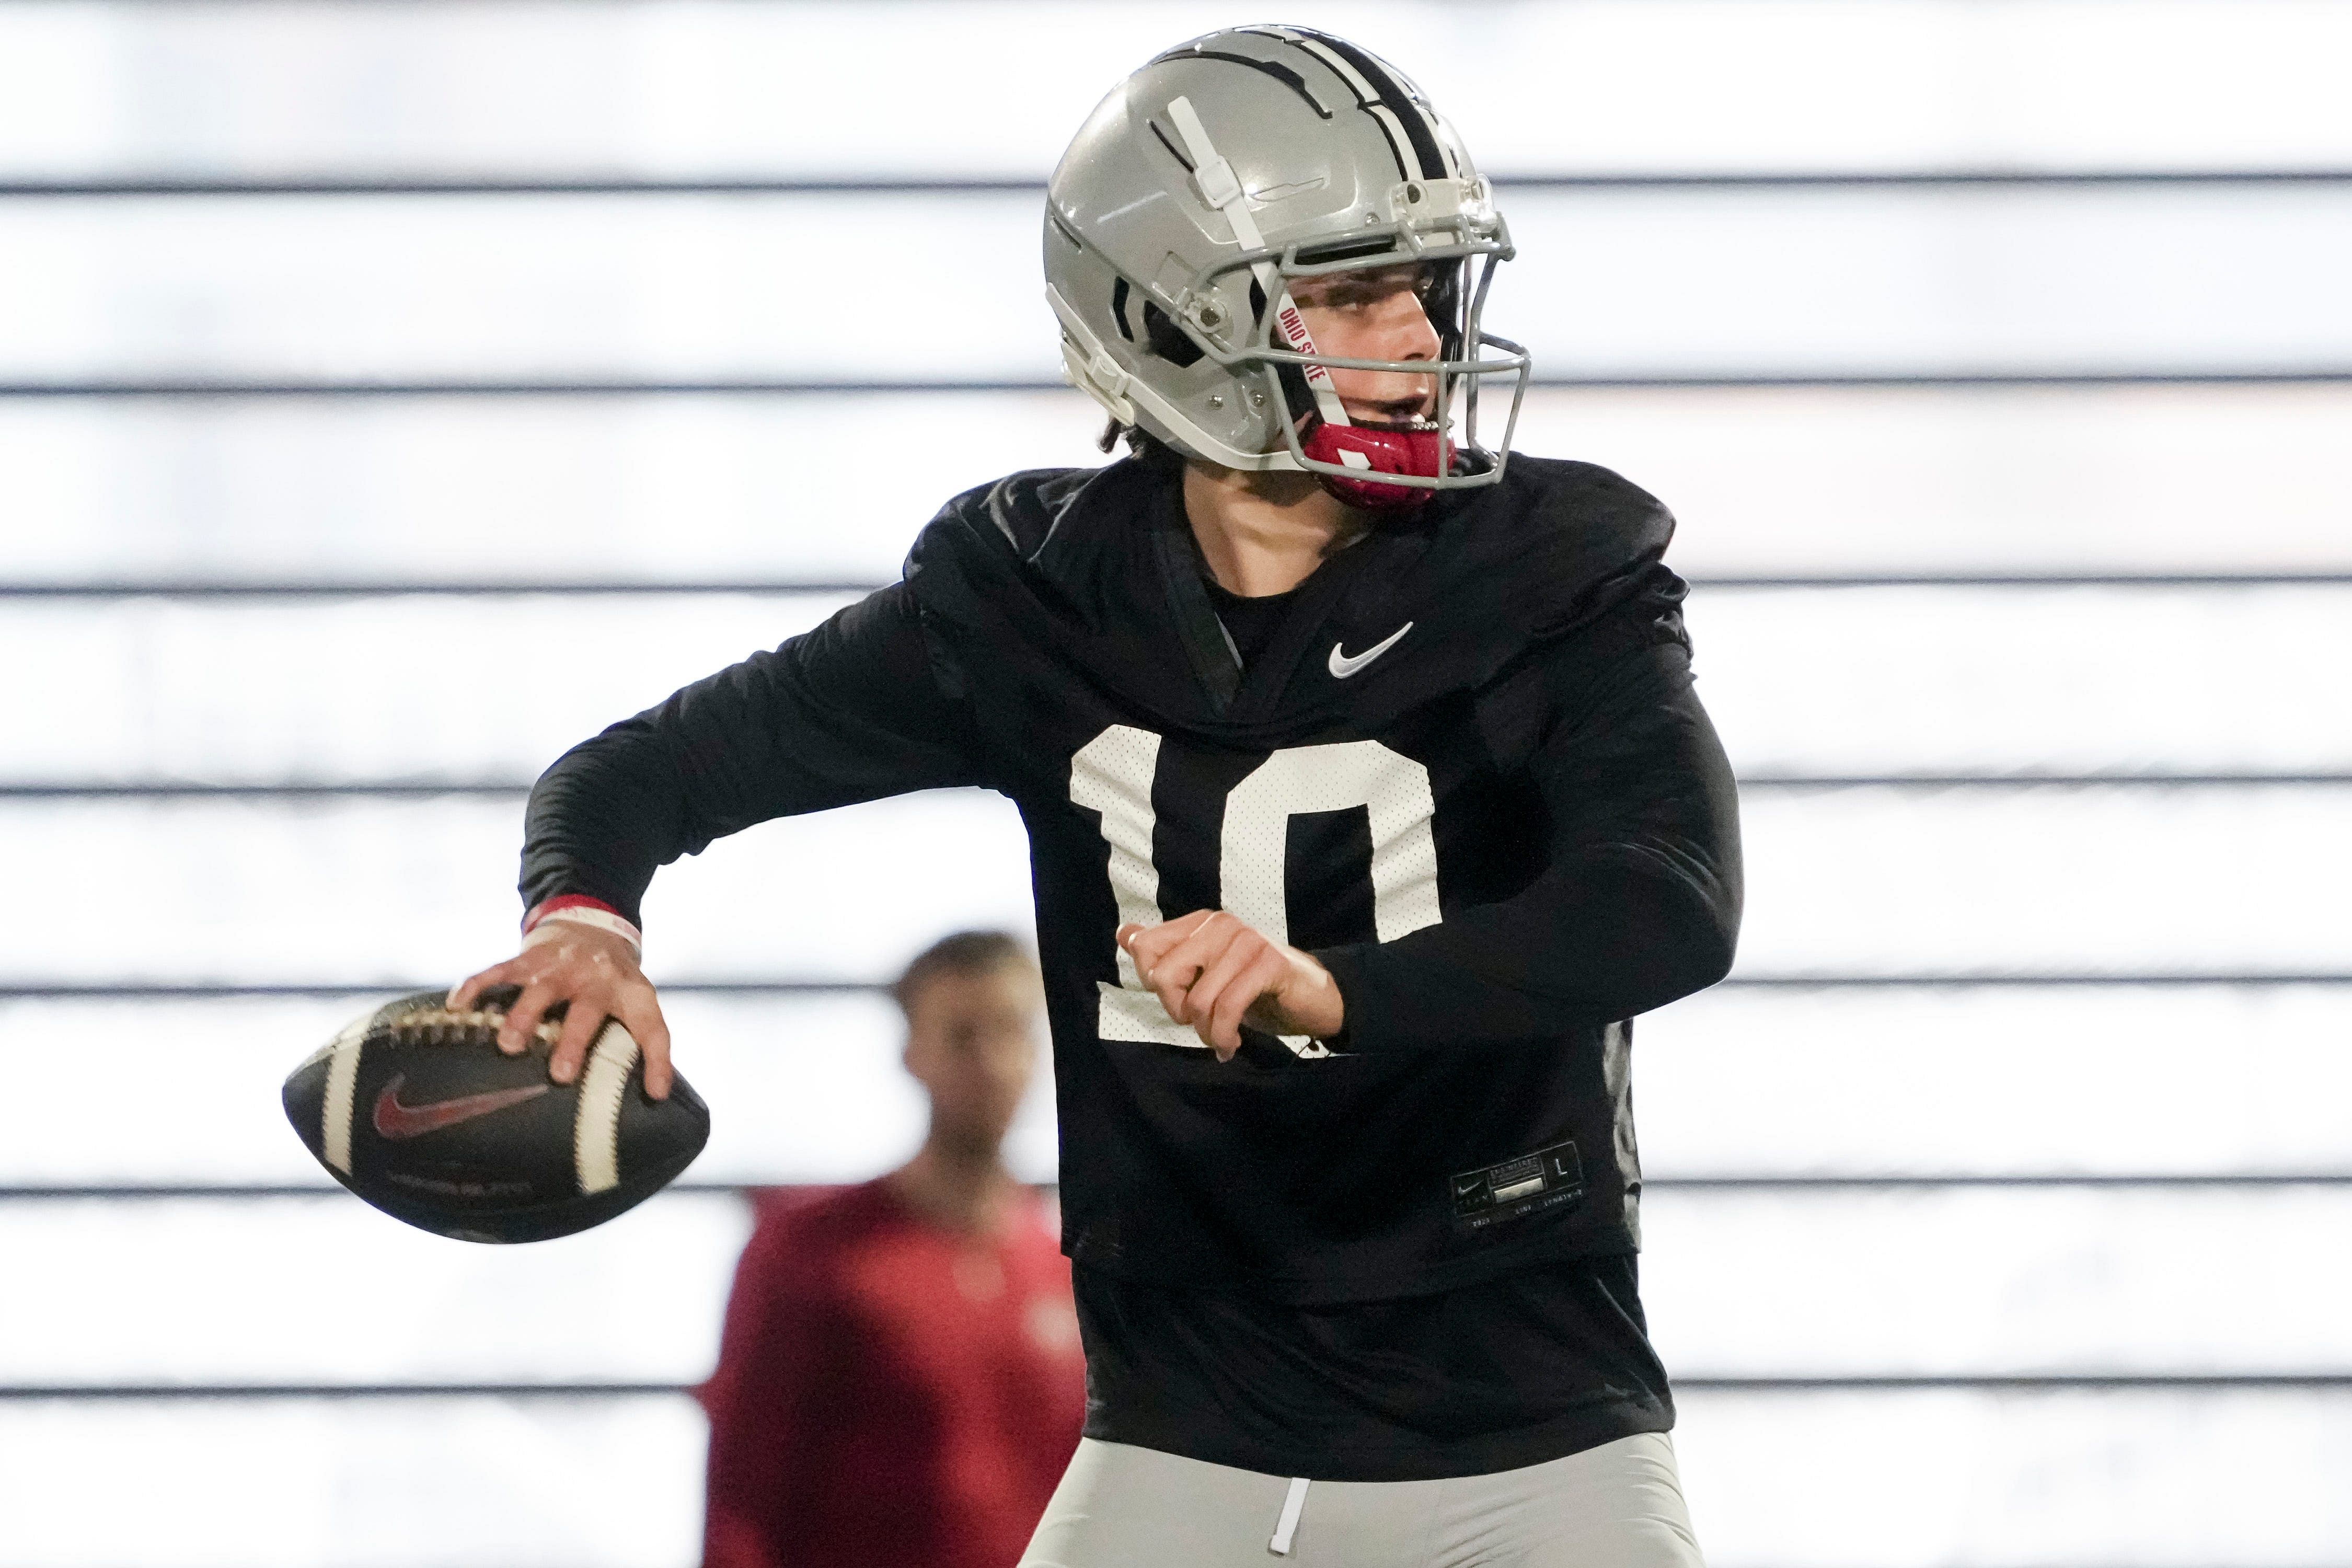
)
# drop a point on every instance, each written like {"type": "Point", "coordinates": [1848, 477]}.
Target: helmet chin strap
{"type": "Point", "coordinates": [1333, 438]}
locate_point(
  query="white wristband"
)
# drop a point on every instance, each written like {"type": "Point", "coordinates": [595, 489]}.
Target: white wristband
{"type": "Point", "coordinates": [542, 930]}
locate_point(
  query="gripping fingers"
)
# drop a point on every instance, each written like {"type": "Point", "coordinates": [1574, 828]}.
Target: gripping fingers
{"type": "Point", "coordinates": [462, 995]}
{"type": "Point", "coordinates": [1149, 944]}
{"type": "Point", "coordinates": [1173, 980]}
{"type": "Point", "coordinates": [522, 1018]}
{"type": "Point", "coordinates": [1262, 974]}
{"type": "Point", "coordinates": [1182, 976]}
{"type": "Point", "coordinates": [572, 1051]}
{"type": "Point", "coordinates": [581, 1024]}
{"type": "Point", "coordinates": [1160, 954]}
{"type": "Point", "coordinates": [641, 1017]}
{"type": "Point", "coordinates": [1206, 999]}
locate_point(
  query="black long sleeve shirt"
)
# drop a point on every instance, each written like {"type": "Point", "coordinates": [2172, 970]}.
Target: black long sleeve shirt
{"type": "Point", "coordinates": [1467, 769]}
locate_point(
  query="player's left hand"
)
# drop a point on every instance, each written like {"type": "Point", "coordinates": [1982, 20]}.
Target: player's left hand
{"type": "Point", "coordinates": [1214, 973]}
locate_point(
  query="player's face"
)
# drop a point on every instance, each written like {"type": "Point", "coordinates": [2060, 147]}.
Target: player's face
{"type": "Point", "coordinates": [971, 1041]}
{"type": "Point", "coordinates": [1373, 314]}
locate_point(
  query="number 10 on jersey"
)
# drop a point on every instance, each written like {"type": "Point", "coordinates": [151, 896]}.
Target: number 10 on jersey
{"type": "Point", "coordinates": [1113, 775]}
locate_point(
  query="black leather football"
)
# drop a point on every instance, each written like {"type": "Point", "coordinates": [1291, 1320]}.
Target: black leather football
{"type": "Point", "coordinates": [415, 1109]}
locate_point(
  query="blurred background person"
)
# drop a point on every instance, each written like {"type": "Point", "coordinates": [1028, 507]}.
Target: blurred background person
{"type": "Point", "coordinates": [899, 1380]}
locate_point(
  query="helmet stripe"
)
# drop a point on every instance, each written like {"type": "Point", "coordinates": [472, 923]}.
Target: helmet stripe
{"type": "Point", "coordinates": [1275, 69]}
{"type": "Point", "coordinates": [1367, 99]}
{"type": "Point", "coordinates": [1376, 85]}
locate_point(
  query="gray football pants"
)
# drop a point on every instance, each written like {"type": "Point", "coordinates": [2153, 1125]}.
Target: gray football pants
{"type": "Point", "coordinates": [1617, 1506]}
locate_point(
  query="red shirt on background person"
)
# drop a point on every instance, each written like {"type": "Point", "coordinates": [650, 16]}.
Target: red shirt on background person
{"type": "Point", "coordinates": [900, 1379]}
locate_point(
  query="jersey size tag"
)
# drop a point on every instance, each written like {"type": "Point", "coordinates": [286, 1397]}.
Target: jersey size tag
{"type": "Point", "coordinates": [1528, 1184]}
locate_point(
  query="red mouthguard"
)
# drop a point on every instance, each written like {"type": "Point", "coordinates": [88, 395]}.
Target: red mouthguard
{"type": "Point", "coordinates": [1425, 453]}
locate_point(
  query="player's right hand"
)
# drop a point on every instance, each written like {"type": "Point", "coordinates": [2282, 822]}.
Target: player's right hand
{"type": "Point", "coordinates": [596, 973]}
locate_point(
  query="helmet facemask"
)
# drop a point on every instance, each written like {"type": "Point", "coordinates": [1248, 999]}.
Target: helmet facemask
{"type": "Point", "coordinates": [1449, 227]}
{"type": "Point", "coordinates": [1424, 448]}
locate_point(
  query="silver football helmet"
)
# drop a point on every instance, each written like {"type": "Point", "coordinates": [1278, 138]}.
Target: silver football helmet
{"type": "Point", "coordinates": [1211, 177]}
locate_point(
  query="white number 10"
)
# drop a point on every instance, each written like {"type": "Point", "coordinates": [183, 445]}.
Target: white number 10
{"type": "Point", "coordinates": [1113, 773]}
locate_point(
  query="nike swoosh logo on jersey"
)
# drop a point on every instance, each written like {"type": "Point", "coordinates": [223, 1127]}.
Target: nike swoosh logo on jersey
{"type": "Point", "coordinates": [396, 1121]}
{"type": "Point", "coordinates": [1344, 665]}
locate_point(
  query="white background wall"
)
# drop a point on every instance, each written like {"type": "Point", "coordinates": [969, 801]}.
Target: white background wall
{"type": "Point", "coordinates": [1974, 1237]}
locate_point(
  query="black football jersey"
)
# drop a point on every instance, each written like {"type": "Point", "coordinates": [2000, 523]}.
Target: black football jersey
{"type": "Point", "coordinates": [1466, 769]}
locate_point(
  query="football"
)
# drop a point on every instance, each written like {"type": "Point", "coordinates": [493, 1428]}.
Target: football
{"type": "Point", "coordinates": [415, 1109]}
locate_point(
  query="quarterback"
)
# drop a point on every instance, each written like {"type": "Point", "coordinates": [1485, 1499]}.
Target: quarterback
{"type": "Point", "coordinates": [1368, 800]}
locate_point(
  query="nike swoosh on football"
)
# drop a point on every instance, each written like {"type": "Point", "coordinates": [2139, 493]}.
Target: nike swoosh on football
{"type": "Point", "coordinates": [1344, 665]}
{"type": "Point", "coordinates": [395, 1121]}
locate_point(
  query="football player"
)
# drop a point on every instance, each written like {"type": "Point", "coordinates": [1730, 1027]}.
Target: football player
{"type": "Point", "coordinates": [1367, 799]}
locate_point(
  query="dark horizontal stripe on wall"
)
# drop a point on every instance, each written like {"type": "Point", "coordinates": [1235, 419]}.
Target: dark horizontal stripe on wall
{"type": "Point", "coordinates": [2059, 1383]}
{"type": "Point", "coordinates": [256, 1192]}
{"type": "Point", "coordinates": [611, 387]}
{"type": "Point", "coordinates": [482, 789]}
{"type": "Point", "coordinates": [191, 588]}
{"type": "Point", "coordinates": [1909, 1182]}
{"type": "Point", "coordinates": [1903, 982]}
{"type": "Point", "coordinates": [420, 184]}
{"type": "Point", "coordinates": [2052, 1382]}
{"type": "Point", "coordinates": [625, 386]}
{"type": "Point", "coordinates": [635, 587]}
{"type": "Point", "coordinates": [164, 991]}
{"type": "Point", "coordinates": [2316, 577]}
{"type": "Point", "coordinates": [376, 790]}
{"type": "Point", "coordinates": [2040, 781]}
{"type": "Point", "coordinates": [413, 588]}
{"type": "Point", "coordinates": [175, 1390]}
